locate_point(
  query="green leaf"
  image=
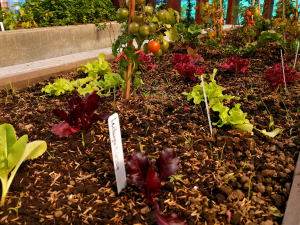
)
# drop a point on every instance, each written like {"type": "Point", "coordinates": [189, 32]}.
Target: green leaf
{"type": "Point", "coordinates": [130, 37]}
{"type": "Point", "coordinates": [272, 133]}
{"type": "Point", "coordinates": [172, 34]}
{"type": "Point", "coordinates": [16, 152]}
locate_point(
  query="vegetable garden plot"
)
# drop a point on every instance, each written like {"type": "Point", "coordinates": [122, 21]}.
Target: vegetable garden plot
{"type": "Point", "coordinates": [239, 176]}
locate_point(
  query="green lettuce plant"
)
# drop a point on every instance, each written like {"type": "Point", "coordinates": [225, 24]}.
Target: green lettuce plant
{"type": "Point", "coordinates": [213, 92]}
{"type": "Point", "coordinates": [97, 67]}
{"type": "Point", "coordinates": [12, 153]}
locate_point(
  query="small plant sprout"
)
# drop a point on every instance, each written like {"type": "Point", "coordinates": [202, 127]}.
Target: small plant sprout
{"type": "Point", "coordinates": [245, 164]}
{"type": "Point", "coordinates": [16, 209]}
{"type": "Point", "coordinates": [147, 129]}
{"type": "Point", "coordinates": [249, 92]}
{"type": "Point", "coordinates": [249, 189]}
{"type": "Point", "coordinates": [230, 176]}
{"type": "Point", "coordinates": [276, 212]}
{"type": "Point", "coordinates": [83, 143]}
{"type": "Point", "coordinates": [211, 151]}
{"type": "Point", "coordinates": [287, 113]}
{"type": "Point", "coordinates": [12, 89]}
{"type": "Point", "coordinates": [168, 81]}
{"type": "Point", "coordinates": [141, 148]}
{"type": "Point", "coordinates": [189, 140]}
{"type": "Point", "coordinates": [176, 177]}
{"type": "Point", "coordinates": [220, 160]}
{"type": "Point", "coordinates": [146, 94]}
{"type": "Point", "coordinates": [147, 110]}
{"type": "Point", "coordinates": [271, 123]}
{"type": "Point", "coordinates": [52, 156]}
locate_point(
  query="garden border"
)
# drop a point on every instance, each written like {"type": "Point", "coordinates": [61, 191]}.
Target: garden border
{"type": "Point", "coordinates": [291, 214]}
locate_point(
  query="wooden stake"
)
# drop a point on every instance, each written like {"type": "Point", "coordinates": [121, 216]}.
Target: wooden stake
{"type": "Point", "coordinates": [283, 17]}
{"type": "Point", "coordinates": [253, 3]}
{"type": "Point", "coordinates": [297, 10]}
{"type": "Point", "coordinates": [128, 72]}
{"type": "Point", "coordinates": [221, 11]}
{"type": "Point", "coordinates": [259, 6]}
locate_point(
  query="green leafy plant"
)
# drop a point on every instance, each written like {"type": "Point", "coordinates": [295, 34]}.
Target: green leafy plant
{"type": "Point", "coordinates": [60, 87]}
{"type": "Point", "coordinates": [9, 22]}
{"type": "Point", "coordinates": [97, 67]}
{"type": "Point", "coordinates": [12, 153]}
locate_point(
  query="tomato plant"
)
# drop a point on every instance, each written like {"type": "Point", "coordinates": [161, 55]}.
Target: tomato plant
{"type": "Point", "coordinates": [146, 25]}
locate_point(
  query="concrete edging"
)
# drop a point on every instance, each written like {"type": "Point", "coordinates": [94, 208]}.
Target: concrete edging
{"type": "Point", "coordinates": [291, 214]}
{"type": "Point", "coordinates": [30, 45]}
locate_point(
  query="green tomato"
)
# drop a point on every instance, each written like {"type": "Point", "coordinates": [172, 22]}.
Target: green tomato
{"type": "Point", "coordinates": [136, 17]}
{"type": "Point", "coordinates": [149, 9]}
{"type": "Point", "coordinates": [144, 30]}
{"type": "Point", "coordinates": [145, 48]}
{"type": "Point", "coordinates": [158, 54]}
{"type": "Point", "coordinates": [165, 45]}
{"type": "Point", "coordinates": [152, 27]}
{"type": "Point", "coordinates": [123, 13]}
{"type": "Point", "coordinates": [134, 27]}
{"type": "Point", "coordinates": [139, 1]}
{"type": "Point", "coordinates": [161, 15]}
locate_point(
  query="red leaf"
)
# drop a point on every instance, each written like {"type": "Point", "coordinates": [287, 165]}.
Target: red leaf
{"type": "Point", "coordinates": [189, 70]}
{"type": "Point", "coordinates": [167, 164]}
{"type": "Point", "coordinates": [274, 75]}
{"type": "Point", "coordinates": [152, 186]}
{"type": "Point", "coordinates": [180, 58]}
{"type": "Point", "coordinates": [62, 114]}
{"type": "Point", "coordinates": [105, 115]}
{"type": "Point", "coordinates": [137, 167]}
{"type": "Point", "coordinates": [63, 130]}
{"type": "Point", "coordinates": [240, 66]}
{"type": "Point", "coordinates": [169, 219]}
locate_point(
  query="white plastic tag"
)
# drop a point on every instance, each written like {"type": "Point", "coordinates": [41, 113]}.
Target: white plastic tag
{"type": "Point", "coordinates": [117, 150]}
{"type": "Point", "coordinates": [283, 70]}
{"type": "Point", "coordinates": [296, 55]}
{"type": "Point", "coordinates": [207, 109]}
{"type": "Point", "coordinates": [1, 26]}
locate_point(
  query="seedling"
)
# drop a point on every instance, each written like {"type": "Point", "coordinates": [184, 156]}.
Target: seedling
{"type": "Point", "coordinates": [271, 123]}
{"type": "Point", "coordinates": [211, 151]}
{"type": "Point", "coordinates": [220, 160]}
{"type": "Point", "coordinates": [12, 89]}
{"type": "Point", "coordinates": [245, 164]}
{"type": "Point", "coordinates": [176, 177]}
{"type": "Point", "coordinates": [287, 113]}
{"type": "Point", "coordinates": [147, 129]}
{"type": "Point", "coordinates": [83, 143]}
{"type": "Point", "coordinates": [249, 193]}
{"type": "Point", "coordinates": [249, 92]}
{"type": "Point", "coordinates": [146, 94]}
{"type": "Point", "coordinates": [230, 176]}
{"type": "Point", "coordinates": [189, 140]}
{"type": "Point", "coordinates": [52, 156]}
{"type": "Point", "coordinates": [298, 109]}
{"type": "Point", "coordinates": [17, 207]}
{"type": "Point", "coordinates": [276, 212]}
{"type": "Point", "coordinates": [168, 81]}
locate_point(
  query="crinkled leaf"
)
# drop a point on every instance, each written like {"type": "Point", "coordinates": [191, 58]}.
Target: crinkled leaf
{"type": "Point", "coordinates": [167, 164]}
{"type": "Point", "coordinates": [137, 167]}
{"type": "Point", "coordinates": [172, 34]}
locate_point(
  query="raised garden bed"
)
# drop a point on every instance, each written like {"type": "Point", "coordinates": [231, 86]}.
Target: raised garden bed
{"type": "Point", "coordinates": [245, 176]}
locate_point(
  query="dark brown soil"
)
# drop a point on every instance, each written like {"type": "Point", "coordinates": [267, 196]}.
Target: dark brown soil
{"type": "Point", "coordinates": [76, 184]}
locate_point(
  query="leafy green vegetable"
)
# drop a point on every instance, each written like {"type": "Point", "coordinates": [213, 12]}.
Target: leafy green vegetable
{"type": "Point", "coordinates": [172, 34]}
{"type": "Point", "coordinates": [60, 87]}
{"type": "Point", "coordinates": [12, 153]}
{"type": "Point", "coordinates": [213, 92]}
{"type": "Point", "coordinates": [97, 67]}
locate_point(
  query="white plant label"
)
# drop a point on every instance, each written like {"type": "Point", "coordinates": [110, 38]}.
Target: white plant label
{"type": "Point", "coordinates": [296, 55]}
{"type": "Point", "coordinates": [117, 150]}
{"type": "Point", "coordinates": [207, 109]}
{"type": "Point", "coordinates": [283, 70]}
{"type": "Point", "coordinates": [1, 26]}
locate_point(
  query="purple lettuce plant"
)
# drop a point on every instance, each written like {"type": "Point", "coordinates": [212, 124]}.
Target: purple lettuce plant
{"type": "Point", "coordinates": [81, 114]}
{"type": "Point", "coordinates": [140, 173]}
{"type": "Point", "coordinates": [239, 66]}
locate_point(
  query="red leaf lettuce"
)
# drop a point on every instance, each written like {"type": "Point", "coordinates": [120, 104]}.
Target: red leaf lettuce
{"type": "Point", "coordinates": [140, 172]}
{"type": "Point", "coordinates": [239, 66]}
{"type": "Point", "coordinates": [274, 75]}
{"type": "Point", "coordinates": [81, 114]}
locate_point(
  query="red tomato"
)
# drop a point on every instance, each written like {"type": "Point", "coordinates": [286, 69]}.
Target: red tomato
{"type": "Point", "coordinates": [153, 46]}
{"type": "Point", "coordinates": [248, 13]}
{"type": "Point", "coordinates": [196, 7]}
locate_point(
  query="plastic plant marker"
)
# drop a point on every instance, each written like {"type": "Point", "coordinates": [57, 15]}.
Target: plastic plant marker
{"type": "Point", "coordinates": [207, 109]}
{"type": "Point", "coordinates": [117, 151]}
{"type": "Point", "coordinates": [296, 55]}
{"type": "Point", "coordinates": [1, 26]}
{"type": "Point", "coordinates": [283, 70]}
